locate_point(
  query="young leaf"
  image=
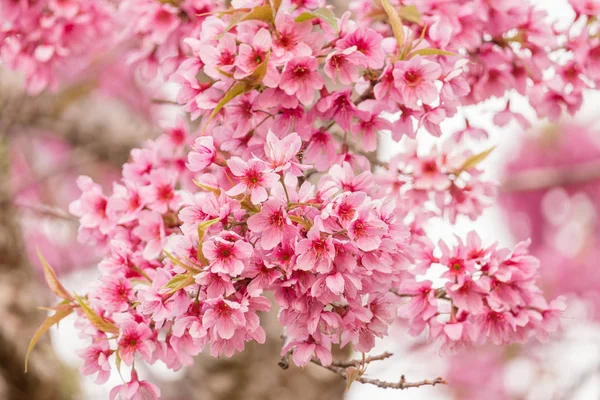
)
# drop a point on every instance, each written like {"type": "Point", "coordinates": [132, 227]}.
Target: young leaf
{"type": "Point", "coordinates": [352, 374]}
{"type": "Point", "coordinates": [410, 13]}
{"type": "Point", "coordinates": [231, 94]}
{"type": "Point", "coordinates": [96, 320]}
{"type": "Point", "coordinates": [182, 265]}
{"type": "Point", "coordinates": [53, 282]}
{"type": "Point", "coordinates": [61, 312]}
{"type": "Point", "coordinates": [475, 159]}
{"type": "Point", "coordinates": [395, 22]}
{"type": "Point", "coordinates": [215, 190]}
{"type": "Point", "coordinates": [178, 282]}
{"type": "Point", "coordinates": [259, 73]}
{"type": "Point", "coordinates": [323, 13]}
{"type": "Point", "coordinates": [201, 231]}
{"type": "Point", "coordinates": [258, 13]}
{"type": "Point", "coordinates": [276, 4]}
{"type": "Point", "coordinates": [301, 221]}
{"type": "Point", "coordinates": [430, 52]}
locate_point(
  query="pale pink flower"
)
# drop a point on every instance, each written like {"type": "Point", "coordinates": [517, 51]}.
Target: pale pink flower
{"type": "Point", "coordinates": [91, 206]}
{"type": "Point", "coordinates": [251, 56]}
{"type": "Point", "coordinates": [135, 390]}
{"type": "Point", "coordinates": [135, 339]}
{"type": "Point", "coordinates": [95, 359]}
{"type": "Point", "coordinates": [300, 78]}
{"type": "Point", "coordinates": [281, 153]}
{"type": "Point", "coordinates": [202, 155]}
{"type": "Point", "coordinates": [288, 38]}
{"type": "Point", "coordinates": [151, 229]}
{"type": "Point", "coordinates": [224, 317]}
{"type": "Point", "coordinates": [415, 80]}
{"type": "Point", "coordinates": [366, 231]}
{"type": "Point", "coordinates": [225, 256]}
{"type": "Point", "coordinates": [344, 65]}
{"type": "Point", "coordinates": [253, 177]}
{"type": "Point", "coordinates": [315, 253]}
{"type": "Point", "coordinates": [367, 42]}
{"type": "Point", "coordinates": [271, 222]}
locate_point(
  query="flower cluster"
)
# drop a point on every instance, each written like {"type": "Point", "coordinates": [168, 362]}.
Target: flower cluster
{"type": "Point", "coordinates": [48, 40]}
{"type": "Point", "coordinates": [278, 189]}
{"type": "Point", "coordinates": [511, 46]}
{"type": "Point", "coordinates": [443, 181]}
{"type": "Point", "coordinates": [485, 294]}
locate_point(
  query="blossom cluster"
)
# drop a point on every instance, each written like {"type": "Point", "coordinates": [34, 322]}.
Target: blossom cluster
{"type": "Point", "coordinates": [511, 46]}
{"type": "Point", "coordinates": [48, 40]}
{"type": "Point", "coordinates": [278, 190]}
{"type": "Point", "coordinates": [487, 294]}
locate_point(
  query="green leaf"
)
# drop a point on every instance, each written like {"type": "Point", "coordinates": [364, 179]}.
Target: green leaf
{"type": "Point", "coordinates": [62, 311]}
{"type": "Point", "coordinates": [431, 52]}
{"type": "Point", "coordinates": [322, 13]}
{"type": "Point", "coordinates": [53, 282]}
{"type": "Point", "coordinates": [395, 22]}
{"type": "Point", "coordinates": [179, 282]}
{"type": "Point", "coordinates": [258, 13]}
{"type": "Point", "coordinates": [474, 160]}
{"type": "Point", "coordinates": [201, 231]}
{"type": "Point", "coordinates": [276, 4]}
{"type": "Point", "coordinates": [213, 189]}
{"type": "Point", "coordinates": [231, 94]}
{"type": "Point", "coordinates": [96, 320]}
{"type": "Point", "coordinates": [410, 13]}
{"type": "Point", "coordinates": [181, 264]}
{"type": "Point", "coordinates": [118, 362]}
{"type": "Point", "coordinates": [302, 221]}
{"type": "Point", "coordinates": [259, 73]}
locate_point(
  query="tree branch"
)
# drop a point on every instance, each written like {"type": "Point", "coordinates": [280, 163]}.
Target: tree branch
{"type": "Point", "coordinates": [400, 385]}
{"type": "Point", "coordinates": [548, 177]}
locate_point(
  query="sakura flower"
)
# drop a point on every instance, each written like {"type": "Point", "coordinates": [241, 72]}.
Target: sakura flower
{"type": "Point", "coordinates": [288, 38]}
{"type": "Point", "coordinates": [282, 152]}
{"type": "Point", "coordinates": [135, 339]}
{"type": "Point", "coordinates": [96, 360]}
{"type": "Point", "coordinates": [366, 231]}
{"type": "Point", "coordinates": [224, 317]}
{"type": "Point", "coordinates": [271, 222]}
{"type": "Point", "coordinates": [367, 42]}
{"type": "Point", "coordinates": [135, 390]}
{"type": "Point", "coordinates": [253, 177]}
{"type": "Point", "coordinates": [202, 155]}
{"type": "Point", "coordinates": [315, 252]}
{"type": "Point", "coordinates": [300, 78]}
{"type": "Point", "coordinates": [344, 64]}
{"type": "Point", "coordinates": [160, 194]}
{"type": "Point", "coordinates": [151, 229]}
{"type": "Point", "coordinates": [251, 56]}
{"type": "Point", "coordinates": [415, 80]}
{"type": "Point", "coordinates": [225, 256]}
{"type": "Point", "coordinates": [91, 206]}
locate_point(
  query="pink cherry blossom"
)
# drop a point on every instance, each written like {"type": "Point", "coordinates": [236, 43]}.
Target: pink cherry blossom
{"type": "Point", "coordinates": [253, 177]}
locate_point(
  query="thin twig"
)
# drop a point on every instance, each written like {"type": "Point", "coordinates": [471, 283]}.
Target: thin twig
{"type": "Point", "coordinates": [368, 360]}
{"type": "Point", "coordinates": [400, 385]}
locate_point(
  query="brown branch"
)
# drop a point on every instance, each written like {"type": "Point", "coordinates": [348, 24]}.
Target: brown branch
{"type": "Point", "coordinates": [400, 385]}
{"type": "Point", "coordinates": [357, 363]}
{"type": "Point", "coordinates": [548, 177]}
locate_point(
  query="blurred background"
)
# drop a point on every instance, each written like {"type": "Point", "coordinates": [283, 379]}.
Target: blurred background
{"type": "Point", "coordinates": [550, 191]}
